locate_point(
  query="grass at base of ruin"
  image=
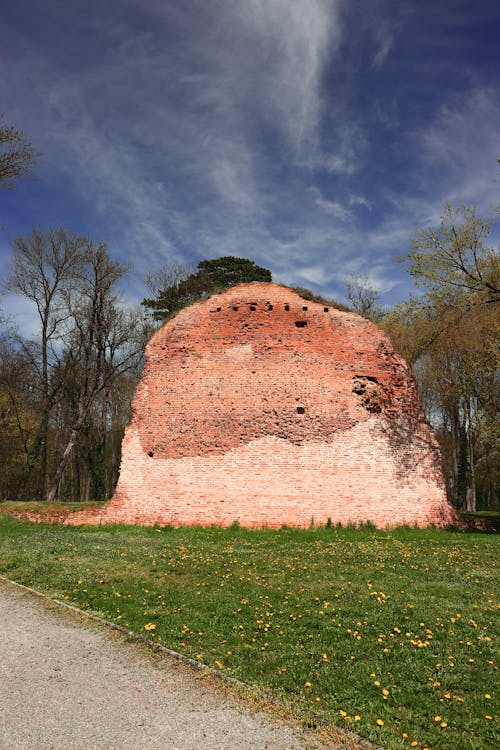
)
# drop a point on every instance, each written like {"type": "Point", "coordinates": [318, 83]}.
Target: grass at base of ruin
{"type": "Point", "coordinates": [45, 508]}
{"type": "Point", "coordinates": [388, 634]}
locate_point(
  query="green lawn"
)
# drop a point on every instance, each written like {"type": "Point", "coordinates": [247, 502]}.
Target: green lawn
{"type": "Point", "coordinates": [389, 634]}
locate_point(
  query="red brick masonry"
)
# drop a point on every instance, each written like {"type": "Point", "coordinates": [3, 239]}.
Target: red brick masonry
{"type": "Point", "coordinates": [259, 406]}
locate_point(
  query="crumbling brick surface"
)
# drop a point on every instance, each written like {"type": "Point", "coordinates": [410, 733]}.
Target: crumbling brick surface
{"type": "Point", "coordinates": [259, 406]}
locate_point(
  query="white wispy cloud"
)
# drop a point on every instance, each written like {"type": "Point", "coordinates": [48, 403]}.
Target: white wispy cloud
{"type": "Point", "coordinates": [384, 37]}
{"type": "Point", "coordinates": [151, 124]}
{"type": "Point", "coordinates": [460, 146]}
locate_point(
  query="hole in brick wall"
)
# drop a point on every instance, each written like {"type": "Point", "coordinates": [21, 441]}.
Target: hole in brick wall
{"type": "Point", "coordinates": [235, 308]}
{"type": "Point", "coordinates": [301, 410]}
{"type": "Point", "coordinates": [150, 454]}
{"type": "Point", "coordinates": [326, 309]}
{"type": "Point", "coordinates": [305, 307]}
{"type": "Point", "coordinates": [252, 307]}
{"type": "Point", "coordinates": [287, 307]}
{"type": "Point", "coordinates": [301, 323]}
{"type": "Point", "coordinates": [269, 306]}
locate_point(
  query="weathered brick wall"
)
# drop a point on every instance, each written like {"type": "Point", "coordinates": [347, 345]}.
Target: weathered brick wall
{"type": "Point", "coordinates": [259, 406]}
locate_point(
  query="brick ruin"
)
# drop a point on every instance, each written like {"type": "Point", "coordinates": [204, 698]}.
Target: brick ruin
{"type": "Point", "coordinates": [261, 407]}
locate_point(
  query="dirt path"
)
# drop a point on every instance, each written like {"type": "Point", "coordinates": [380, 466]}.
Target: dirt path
{"type": "Point", "coordinates": [68, 686]}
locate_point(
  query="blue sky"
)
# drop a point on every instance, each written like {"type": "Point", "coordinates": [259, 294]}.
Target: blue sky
{"type": "Point", "coordinates": [312, 136]}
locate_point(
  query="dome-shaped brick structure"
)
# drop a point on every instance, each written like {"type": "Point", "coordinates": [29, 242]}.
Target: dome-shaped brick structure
{"type": "Point", "coordinates": [261, 407]}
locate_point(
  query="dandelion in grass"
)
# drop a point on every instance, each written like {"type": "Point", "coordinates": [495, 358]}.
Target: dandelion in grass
{"type": "Point", "coordinates": [150, 627]}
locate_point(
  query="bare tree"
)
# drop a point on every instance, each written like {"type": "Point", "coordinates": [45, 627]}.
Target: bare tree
{"type": "Point", "coordinates": [45, 268]}
{"type": "Point", "coordinates": [105, 342]}
{"type": "Point", "coordinates": [167, 276]}
{"type": "Point", "coordinates": [17, 157]}
{"type": "Point", "coordinates": [363, 296]}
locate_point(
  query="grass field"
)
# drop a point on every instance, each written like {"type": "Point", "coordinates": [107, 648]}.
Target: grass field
{"type": "Point", "coordinates": [388, 634]}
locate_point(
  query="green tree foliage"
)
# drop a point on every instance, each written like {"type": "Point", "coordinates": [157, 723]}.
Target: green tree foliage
{"type": "Point", "coordinates": [17, 157]}
{"type": "Point", "coordinates": [211, 276]}
{"type": "Point", "coordinates": [450, 335]}
{"type": "Point", "coordinates": [452, 261]}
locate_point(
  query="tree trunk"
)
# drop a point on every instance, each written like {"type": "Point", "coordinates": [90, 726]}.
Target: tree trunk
{"type": "Point", "coordinates": [471, 489]}
{"type": "Point", "coordinates": [62, 463]}
{"type": "Point", "coordinates": [33, 456]}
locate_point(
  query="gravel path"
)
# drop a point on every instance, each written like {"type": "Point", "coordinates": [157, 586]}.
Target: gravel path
{"type": "Point", "coordinates": [71, 686]}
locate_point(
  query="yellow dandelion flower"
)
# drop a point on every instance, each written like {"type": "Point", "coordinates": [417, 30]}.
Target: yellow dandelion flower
{"type": "Point", "coordinates": [380, 722]}
{"type": "Point", "coordinates": [150, 626]}
{"type": "Point", "coordinates": [307, 684]}
{"type": "Point", "coordinates": [357, 717]}
{"type": "Point", "coordinates": [444, 724]}
{"type": "Point", "coordinates": [437, 718]}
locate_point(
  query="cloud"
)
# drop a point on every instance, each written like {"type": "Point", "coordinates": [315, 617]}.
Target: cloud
{"type": "Point", "coordinates": [163, 136]}
{"type": "Point", "coordinates": [349, 144]}
{"type": "Point", "coordinates": [459, 148]}
{"type": "Point", "coordinates": [385, 40]}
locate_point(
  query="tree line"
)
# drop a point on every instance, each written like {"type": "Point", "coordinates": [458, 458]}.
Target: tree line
{"type": "Point", "coordinates": [66, 392]}
{"type": "Point", "coordinates": [449, 333]}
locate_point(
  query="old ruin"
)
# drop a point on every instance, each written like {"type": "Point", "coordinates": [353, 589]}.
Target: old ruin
{"type": "Point", "coordinates": [260, 407]}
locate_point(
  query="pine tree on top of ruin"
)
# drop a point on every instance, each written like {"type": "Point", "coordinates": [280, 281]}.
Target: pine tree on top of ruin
{"type": "Point", "coordinates": [176, 287]}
